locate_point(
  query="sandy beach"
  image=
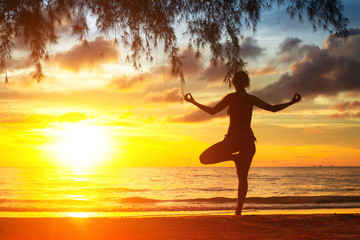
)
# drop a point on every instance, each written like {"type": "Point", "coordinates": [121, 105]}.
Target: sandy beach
{"type": "Point", "coordinates": [312, 226]}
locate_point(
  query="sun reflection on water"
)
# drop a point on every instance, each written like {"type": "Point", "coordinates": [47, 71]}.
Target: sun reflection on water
{"type": "Point", "coordinates": [80, 214]}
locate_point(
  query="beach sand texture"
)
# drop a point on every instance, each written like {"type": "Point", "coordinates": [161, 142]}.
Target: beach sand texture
{"type": "Point", "coordinates": [325, 226]}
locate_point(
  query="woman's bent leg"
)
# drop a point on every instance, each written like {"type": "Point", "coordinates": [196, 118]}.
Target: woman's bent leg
{"type": "Point", "coordinates": [219, 152]}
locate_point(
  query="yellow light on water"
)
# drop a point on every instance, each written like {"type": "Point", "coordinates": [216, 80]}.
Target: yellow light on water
{"type": "Point", "coordinates": [80, 214]}
{"type": "Point", "coordinates": [81, 145]}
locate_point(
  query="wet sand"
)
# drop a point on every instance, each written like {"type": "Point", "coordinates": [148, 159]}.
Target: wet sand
{"type": "Point", "coordinates": [312, 226]}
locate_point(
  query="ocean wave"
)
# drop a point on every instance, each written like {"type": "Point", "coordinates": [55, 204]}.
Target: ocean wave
{"type": "Point", "coordinates": [175, 208]}
{"type": "Point", "coordinates": [303, 199]}
{"type": "Point", "coordinates": [76, 189]}
{"type": "Point", "coordinates": [214, 200]}
{"type": "Point", "coordinates": [142, 208]}
{"type": "Point", "coordinates": [97, 189]}
{"type": "Point", "coordinates": [214, 189]}
{"type": "Point", "coordinates": [46, 201]}
{"type": "Point", "coordinates": [256, 200]}
{"type": "Point", "coordinates": [193, 200]}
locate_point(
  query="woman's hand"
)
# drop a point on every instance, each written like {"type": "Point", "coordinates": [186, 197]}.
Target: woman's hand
{"type": "Point", "coordinates": [189, 98]}
{"type": "Point", "coordinates": [296, 98]}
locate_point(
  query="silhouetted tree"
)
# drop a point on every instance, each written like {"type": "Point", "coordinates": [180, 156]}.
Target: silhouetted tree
{"type": "Point", "coordinates": [141, 24]}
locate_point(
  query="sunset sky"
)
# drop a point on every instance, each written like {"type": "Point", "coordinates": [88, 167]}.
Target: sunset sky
{"type": "Point", "coordinates": [94, 109]}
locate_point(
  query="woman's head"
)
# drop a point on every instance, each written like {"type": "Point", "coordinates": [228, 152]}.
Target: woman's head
{"type": "Point", "coordinates": [241, 80]}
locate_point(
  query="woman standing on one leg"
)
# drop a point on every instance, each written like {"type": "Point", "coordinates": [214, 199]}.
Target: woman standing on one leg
{"type": "Point", "coordinates": [238, 144]}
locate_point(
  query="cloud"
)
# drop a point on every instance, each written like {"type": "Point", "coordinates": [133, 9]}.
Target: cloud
{"type": "Point", "coordinates": [353, 94]}
{"type": "Point", "coordinates": [250, 49]}
{"type": "Point", "coordinates": [61, 30]}
{"type": "Point", "coordinates": [332, 43]}
{"type": "Point", "coordinates": [19, 63]}
{"type": "Point", "coordinates": [96, 99]}
{"type": "Point", "coordinates": [20, 44]}
{"type": "Point", "coordinates": [41, 120]}
{"type": "Point", "coordinates": [347, 110]}
{"type": "Point", "coordinates": [72, 117]}
{"type": "Point", "coordinates": [124, 83]}
{"type": "Point", "coordinates": [197, 116]}
{"type": "Point", "coordinates": [90, 56]}
{"type": "Point", "coordinates": [345, 115]}
{"type": "Point", "coordinates": [27, 121]}
{"type": "Point", "coordinates": [289, 44]}
{"type": "Point", "coordinates": [313, 130]}
{"type": "Point", "coordinates": [323, 71]}
{"type": "Point", "coordinates": [347, 106]}
{"type": "Point", "coordinates": [292, 49]}
{"type": "Point", "coordinates": [263, 71]}
{"type": "Point", "coordinates": [168, 96]}
{"type": "Point", "coordinates": [199, 70]}
{"type": "Point", "coordinates": [194, 68]}
{"type": "Point", "coordinates": [213, 73]}
{"type": "Point", "coordinates": [136, 83]}
{"type": "Point", "coordinates": [191, 64]}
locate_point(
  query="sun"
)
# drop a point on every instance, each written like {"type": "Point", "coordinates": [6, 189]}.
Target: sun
{"type": "Point", "coordinates": [81, 145]}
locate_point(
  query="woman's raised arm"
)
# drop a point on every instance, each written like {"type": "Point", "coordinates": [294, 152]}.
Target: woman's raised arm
{"type": "Point", "coordinates": [210, 110]}
{"type": "Point", "coordinates": [275, 108]}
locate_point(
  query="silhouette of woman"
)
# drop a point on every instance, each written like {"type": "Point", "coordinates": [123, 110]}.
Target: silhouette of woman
{"type": "Point", "coordinates": [239, 142]}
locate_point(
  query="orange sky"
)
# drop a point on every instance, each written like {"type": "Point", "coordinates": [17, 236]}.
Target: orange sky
{"type": "Point", "coordinates": [93, 109]}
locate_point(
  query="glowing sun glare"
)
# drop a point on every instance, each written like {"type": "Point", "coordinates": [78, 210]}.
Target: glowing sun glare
{"type": "Point", "coordinates": [81, 145]}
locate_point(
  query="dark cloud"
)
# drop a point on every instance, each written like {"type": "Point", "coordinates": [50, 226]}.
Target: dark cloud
{"type": "Point", "coordinates": [213, 73]}
{"type": "Point", "coordinates": [88, 56]}
{"type": "Point", "coordinates": [197, 69]}
{"type": "Point", "coordinates": [250, 49]}
{"type": "Point", "coordinates": [332, 42]}
{"type": "Point", "coordinates": [194, 68]}
{"type": "Point", "coordinates": [289, 44]}
{"type": "Point", "coordinates": [326, 71]}
{"type": "Point", "coordinates": [191, 64]}
{"type": "Point", "coordinates": [292, 49]}
{"type": "Point", "coordinates": [169, 95]}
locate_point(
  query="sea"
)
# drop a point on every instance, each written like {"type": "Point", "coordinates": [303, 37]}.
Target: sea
{"type": "Point", "coordinates": [141, 192]}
